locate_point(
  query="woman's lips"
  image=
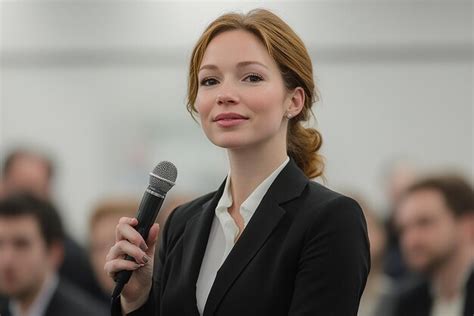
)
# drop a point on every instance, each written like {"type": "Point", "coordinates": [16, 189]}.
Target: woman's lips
{"type": "Point", "coordinates": [229, 119]}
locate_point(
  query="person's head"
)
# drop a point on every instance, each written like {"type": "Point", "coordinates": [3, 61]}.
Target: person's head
{"type": "Point", "coordinates": [251, 83]}
{"type": "Point", "coordinates": [27, 170]}
{"type": "Point", "coordinates": [31, 244]}
{"type": "Point", "coordinates": [435, 222]}
{"type": "Point", "coordinates": [102, 224]}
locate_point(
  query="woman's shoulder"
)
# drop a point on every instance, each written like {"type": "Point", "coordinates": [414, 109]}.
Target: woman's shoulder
{"type": "Point", "coordinates": [322, 196]}
{"type": "Point", "coordinates": [323, 203]}
{"type": "Point", "coordinates": [332, 218]}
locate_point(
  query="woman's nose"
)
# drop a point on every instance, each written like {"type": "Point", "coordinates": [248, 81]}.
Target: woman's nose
{"type": "Point", "coordinates": [227, 96]}
{"type": "Point", "coordinates": [225, 99]}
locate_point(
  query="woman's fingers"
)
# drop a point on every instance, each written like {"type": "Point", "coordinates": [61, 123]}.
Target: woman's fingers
{"type": "Point", "coordinates": [130, 242]}
{"type": "Point", "coordinates": [116, 265]}
{"type": "Point", "coordinates": [125, 231]}
{"type": "Point", "coordinates": [152, 237]}
{"type": "Point", "coordinates": [132, 221]}
{"type": "Point", "coordinates": [123, 247]}
{"type": "Point", "coordinates": [128, 220]}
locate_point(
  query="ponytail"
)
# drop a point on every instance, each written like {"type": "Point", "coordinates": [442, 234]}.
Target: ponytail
{"type": "Point", "coordinates": [303, 145]}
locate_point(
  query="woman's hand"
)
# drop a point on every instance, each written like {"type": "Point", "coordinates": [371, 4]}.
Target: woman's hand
{"type": "Point", "coordinates": [129, 242]}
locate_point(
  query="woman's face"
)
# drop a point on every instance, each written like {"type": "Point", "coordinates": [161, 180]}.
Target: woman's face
{"type": "Point", "coordinates": [241, 98]}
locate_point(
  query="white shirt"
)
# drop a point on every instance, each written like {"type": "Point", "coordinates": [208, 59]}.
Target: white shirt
{"type": "Point", "coordinates": [453, 306]}
{"type": "Point", "coordinates": [224, 231]}
{"type": "Point", "coordinates": [38, 308]}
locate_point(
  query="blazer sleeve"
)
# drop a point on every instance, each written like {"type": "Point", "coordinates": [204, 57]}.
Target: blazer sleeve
{"type": "Point", "coordinates": [152, 305]}
{"type": "Point", "coordinates": [335, 262]}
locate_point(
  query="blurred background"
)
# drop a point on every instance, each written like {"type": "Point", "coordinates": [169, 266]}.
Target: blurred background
{"type": "Point", "coordinates": [99, 87]}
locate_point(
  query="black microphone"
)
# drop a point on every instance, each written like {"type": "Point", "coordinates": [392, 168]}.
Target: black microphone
{"type": "Point", "coordinates": [162, 179]}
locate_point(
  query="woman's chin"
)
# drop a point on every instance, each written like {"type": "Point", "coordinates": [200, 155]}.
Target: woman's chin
{"type": "Point", "coordinates": [230, 143]}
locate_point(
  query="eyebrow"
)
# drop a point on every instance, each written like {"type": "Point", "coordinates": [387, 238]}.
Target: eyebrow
{"type": "Point", "coordinates": [239, 65]}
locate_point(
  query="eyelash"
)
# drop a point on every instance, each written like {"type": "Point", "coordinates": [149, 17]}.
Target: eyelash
{"type": "Point", "coordinates": [204, 82]}
{"type": "Point", "coordinates": [260, 78]}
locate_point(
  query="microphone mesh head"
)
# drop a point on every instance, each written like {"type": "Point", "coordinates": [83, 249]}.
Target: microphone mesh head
{"type": "Point", "coordinates": [163, 176]}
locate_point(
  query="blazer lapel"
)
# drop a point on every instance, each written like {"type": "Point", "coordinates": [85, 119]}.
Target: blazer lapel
{"type": "Point", "coordinates": [288, 185]}
{"type": "Point", "coordinates": [195, 238]}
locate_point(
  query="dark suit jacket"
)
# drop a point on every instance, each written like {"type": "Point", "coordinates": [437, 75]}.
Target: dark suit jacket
{"type": "Point", "coordinates": [305, 251]}
{"type": "Point", "coordinates": [67, 300]}
{"type": "Point", "coordinates": [77, 269]}
{"type": "Point", "coordinates": [417, 300]}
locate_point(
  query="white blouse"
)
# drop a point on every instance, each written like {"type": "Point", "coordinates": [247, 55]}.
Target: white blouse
{"type": "Point", "coordinates": [223, 232]}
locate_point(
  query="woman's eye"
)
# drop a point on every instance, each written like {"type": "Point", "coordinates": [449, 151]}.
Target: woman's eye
{"type": "Point", "coordinates": [208, 81]}
{"type": "Point", "coordinates": [253, 78]}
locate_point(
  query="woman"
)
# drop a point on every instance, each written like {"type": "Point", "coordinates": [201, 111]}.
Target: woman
{"type": "Point", "coordinates": [268, 241]}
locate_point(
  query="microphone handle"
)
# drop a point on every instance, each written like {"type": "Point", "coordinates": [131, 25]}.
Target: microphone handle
{"type": "Point", "coordinates": [147, 212]}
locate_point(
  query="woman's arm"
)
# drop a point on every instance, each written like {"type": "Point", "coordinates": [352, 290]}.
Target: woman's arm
{"type": "Point", "coordinates": [335, 262]}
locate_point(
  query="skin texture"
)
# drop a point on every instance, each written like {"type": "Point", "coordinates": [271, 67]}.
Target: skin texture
{"type": "Point", "coordinates": [255, 91]}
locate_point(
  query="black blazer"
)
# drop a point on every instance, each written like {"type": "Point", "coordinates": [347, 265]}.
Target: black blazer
{"type": "Point", "coordinates": [305, 251]}
{"type": "Point", "coordinates": [67, 300]}
{"type": "Point", "coordinates": [417, 300]}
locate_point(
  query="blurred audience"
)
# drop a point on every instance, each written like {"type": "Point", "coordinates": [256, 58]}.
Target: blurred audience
{"type": "Point", "coordinates": [429, 233]}
{"type": "Point", "coordinates": [27, 170]}
{"type": "Point", "coordinates": [398, 176]}
{"type": "Point", "coordinates": [435, 219]}
{"type": "Point", "coordinates": [102, 224]}
{"type": "Point", "coordinates": [31, 250]}
{"type": "Point", "coordinates": [379, 294]}
{"type": "Point", "coordinates": [32, 171]}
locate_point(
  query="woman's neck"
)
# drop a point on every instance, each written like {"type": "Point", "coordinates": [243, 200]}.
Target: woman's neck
{"type": "Point", "coordinates": [250, 166]}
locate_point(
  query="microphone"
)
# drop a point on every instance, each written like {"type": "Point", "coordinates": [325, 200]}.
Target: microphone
{"type": "Point", "coordinates": [162, 179]}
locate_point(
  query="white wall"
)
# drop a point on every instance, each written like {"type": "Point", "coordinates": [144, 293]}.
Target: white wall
{"type": "Point", "coordinates": [102, 85]}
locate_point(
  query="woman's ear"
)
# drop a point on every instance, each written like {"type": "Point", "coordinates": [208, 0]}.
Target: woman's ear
{"type": "Point", "coordinates": [296, 102]}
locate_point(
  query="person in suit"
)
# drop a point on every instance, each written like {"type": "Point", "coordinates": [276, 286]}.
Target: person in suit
{"type": "Point", "coordinates": [435, 220]}
{"type": "Point", "coordinates": [31, 250]}
{"type": "Point", "coordinates": [31, 170]}
{"type": "Point", "coordinates": [269, 241]}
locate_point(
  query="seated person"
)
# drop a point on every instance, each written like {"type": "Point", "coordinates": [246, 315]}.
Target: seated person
{"type": "Point", "coordinates": [435, 220]}
{"type": "Point", "coordinates": [31, 251]}
{"type": "Point", "coordinates": [32, 171]}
